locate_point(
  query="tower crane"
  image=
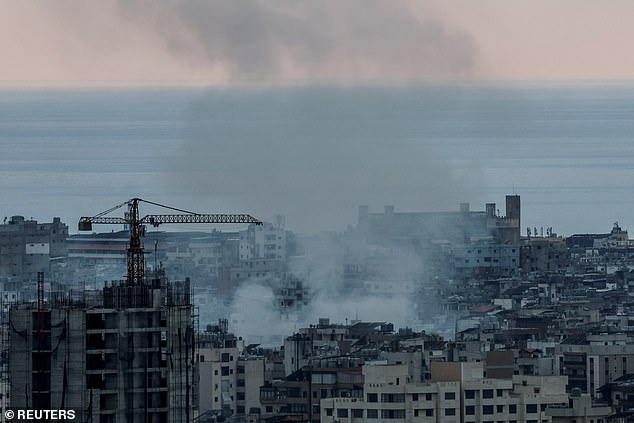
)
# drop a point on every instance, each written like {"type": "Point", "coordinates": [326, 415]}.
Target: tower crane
{"type": "Point", "coordinates": [137, 225]}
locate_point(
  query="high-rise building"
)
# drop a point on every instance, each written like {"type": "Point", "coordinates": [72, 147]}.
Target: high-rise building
{"type": "Point", "coordinates": [124, 355]}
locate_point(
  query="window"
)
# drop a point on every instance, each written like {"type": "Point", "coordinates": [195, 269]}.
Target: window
{"type": "Point", "coordinates": [373, 397]}
{"type": "Point", "coordinates": [224, 357]}
{"type": "Point", "coordinates": [240, 370]}
{"type": "Point", "coordinates": [469, 394]}
{"type": "Point", "coordinates": [487, 393]}
{"type": "Point", "coordinates": [357, 413]}
{"type": "Point", "coordinates": [414, 397]}
{"type": "Point", "coordinates": [342, 412]}
{"type": "Point", "coordinates": [240, 396]}
{"type": "Point", "coordinates": [392, 398]}
{"type": "Point", "coordinates": [224, 370]}
{"type": "Point", "coordinates": [450, 395]}
{"type": "Point", "coordinates": [450, 411]}
{"type": "Point", "coordinates": [429, 412]}
{"type": "Point", "coordinates": [499, 392]}
{"type": "Point", "coordinates": [373, 414]}
{"type": "Point", "coordinates": [393, 414]}
{"type": "Point", "coordinates": [531, 408]}
{"type": "Point", "coordinates": [512, 408]}
{"type": "Point", "coordinates": [329, 411]}
{"type": "Point", "coordinates": [428, 397]}
{"type": "Point", "coordinates": [469, 410]}
{"type": "Point", "coordinates": [487, 409]}
{"type": "Point", "coordinates": [499, 409]}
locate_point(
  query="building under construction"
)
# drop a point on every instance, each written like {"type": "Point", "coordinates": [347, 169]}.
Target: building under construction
{"type": "Point", "coordinates": [124, 356]}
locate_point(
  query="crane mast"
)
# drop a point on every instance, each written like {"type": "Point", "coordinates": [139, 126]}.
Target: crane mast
{"type": "Point", "coordinates": [137, 225]}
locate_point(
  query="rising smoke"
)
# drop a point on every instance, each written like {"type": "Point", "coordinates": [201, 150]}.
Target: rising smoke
{"type": "Point", "coordinates": [316, 154]}
{"type": "Point", "coordinates": [327, 41]}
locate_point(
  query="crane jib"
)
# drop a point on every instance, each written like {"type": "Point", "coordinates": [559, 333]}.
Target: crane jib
{"type": "Point", "coordinates": [156, 220]}
{"type": "Point", "coordinates": [136, 265]}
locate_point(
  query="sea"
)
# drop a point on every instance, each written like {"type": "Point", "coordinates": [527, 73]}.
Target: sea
{"type": "Point", "coordinates": [314, 154]}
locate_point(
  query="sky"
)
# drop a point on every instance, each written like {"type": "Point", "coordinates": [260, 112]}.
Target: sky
{"type": "Point", "coordinates": [246, 42]}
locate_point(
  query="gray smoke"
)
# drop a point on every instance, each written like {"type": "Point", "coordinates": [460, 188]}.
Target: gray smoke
{"type": "Point", "coordinates": [328, 40]}
{"type": "Point", "coordinates": [316, 154]}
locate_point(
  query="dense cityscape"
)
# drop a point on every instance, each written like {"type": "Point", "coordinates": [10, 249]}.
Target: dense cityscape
{"type": "Point", "coordinates": [491, 321]}
{"type": "Point", "coordinates": [359, 211]}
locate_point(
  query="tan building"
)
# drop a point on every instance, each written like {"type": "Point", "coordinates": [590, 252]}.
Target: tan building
{"type": "Point", "coordinates": [457, 392]}
{"type": "Point", "coordinates": [229, 384]}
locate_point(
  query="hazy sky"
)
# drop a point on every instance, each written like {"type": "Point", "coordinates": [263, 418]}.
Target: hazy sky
{"type": "Point", "coordinates": [220, 42]}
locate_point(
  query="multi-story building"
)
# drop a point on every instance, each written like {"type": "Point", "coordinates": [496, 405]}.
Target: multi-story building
{"type": "Point", "coordinates": [581, 409]}
{"type": "Point", "coordinates": [458, 392]}
{"type": "Point", "coordinates": [545, 254]}
{"type": "Point", "coordinates": [324, 339]}
{"type": "Point", "coordinates": [122, 356]}
{"type": "Point", "coordinates": [297, 397]}
{"type": "Point", "coordinates": [267, 241]}
{"type": "Point", "coordinates": [457, 227]}
{"type": "Point", "coordinates": [485, 258]}
{"type": "Point", "coordinates": [96, 258]}
{"type": "Point", "coordinates": [592, 361]}
{"type": "Point", "coordinates": [28, 247]}
{"type": "Point", "coordinates": [229, 381]}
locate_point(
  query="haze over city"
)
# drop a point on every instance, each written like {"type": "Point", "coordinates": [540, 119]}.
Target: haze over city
{"type": "Point", "coordinates": [429, 210]}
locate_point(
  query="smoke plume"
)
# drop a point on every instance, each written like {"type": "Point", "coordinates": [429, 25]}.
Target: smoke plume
{"type": "Point", "coordinates": [316, 154]}
{"type": "Point", "coordinates": [272, 41]}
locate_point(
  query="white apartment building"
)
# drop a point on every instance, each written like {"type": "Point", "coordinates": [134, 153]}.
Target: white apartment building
{"type": "Point", "coordinates": [265, 241]}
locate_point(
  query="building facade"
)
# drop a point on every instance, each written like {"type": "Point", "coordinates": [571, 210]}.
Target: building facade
{"type": "Point", "coordinates": [28, 247]}
{"type": "Point", "coordinates": [125, 356]}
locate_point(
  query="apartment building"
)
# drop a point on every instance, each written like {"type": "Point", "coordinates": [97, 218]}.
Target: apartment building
{"type": "Point", "coordinates": [457, 392]}
{"type": "Point", "coordinates": [28, 247]}
{"type": "Point", "coordinates": [229, 381]}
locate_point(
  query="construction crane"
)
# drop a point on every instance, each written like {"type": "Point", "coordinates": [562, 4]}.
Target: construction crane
{"type": "Point", "coordinates": [137, 225]}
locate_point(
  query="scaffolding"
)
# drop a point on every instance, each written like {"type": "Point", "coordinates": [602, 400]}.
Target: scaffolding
{"type": "Point", "coordinates": [5, 304]}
